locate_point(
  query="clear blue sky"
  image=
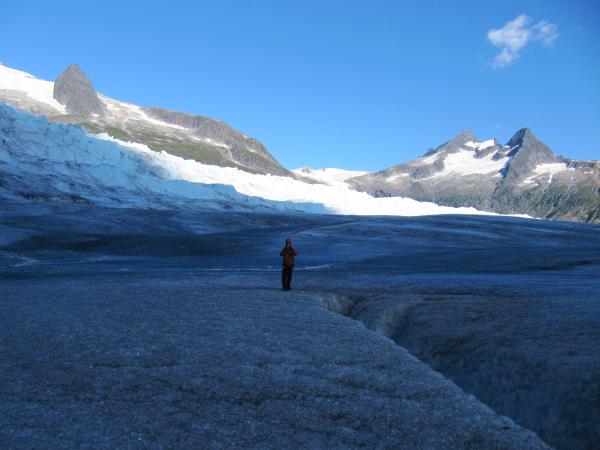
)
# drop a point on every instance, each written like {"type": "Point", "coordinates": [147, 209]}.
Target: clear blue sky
{"type": "Point", "coordinates": [348, 83]}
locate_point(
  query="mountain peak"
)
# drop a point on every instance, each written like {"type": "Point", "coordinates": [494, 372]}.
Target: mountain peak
{"type": "Point", "coordinates": [527, 153]}
{"type": "Point", "coordinates": [75, 70]}
{"type": "Point", "coordinates": [465, 135]}
{"type": "Point", "coordinates": [460, 140]}
{"type": "Point", "coordinates": [456, 143]}
{"type": "Point", "coordinates": [521, 136]}
{"type": "Point", "coordinates": [75, 91]}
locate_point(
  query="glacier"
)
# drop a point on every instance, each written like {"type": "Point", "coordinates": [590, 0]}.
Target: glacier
{"type": "Point", "coordinates": [130, 320]}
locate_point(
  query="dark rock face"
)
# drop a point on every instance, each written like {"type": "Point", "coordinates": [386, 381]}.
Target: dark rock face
{"type": "Point", "coordinates": [527, 152]}
{"type": "Point", "coordinates": [74, 89]}
{"type": "Point", "coordinates": [518, 187]}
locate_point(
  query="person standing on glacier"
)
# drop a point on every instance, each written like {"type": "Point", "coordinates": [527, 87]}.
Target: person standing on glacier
{"type": "Point", "coordinates": [288, 253]}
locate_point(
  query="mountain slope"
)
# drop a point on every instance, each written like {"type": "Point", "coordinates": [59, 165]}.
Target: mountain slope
{"type": "Point", "coordinates": [522, 177]}
{"type": "Point", "coordinates": [72, 99]}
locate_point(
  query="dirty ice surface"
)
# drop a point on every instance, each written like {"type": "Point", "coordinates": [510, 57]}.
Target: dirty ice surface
{"type": "Point", "coordinates": [141, 328]}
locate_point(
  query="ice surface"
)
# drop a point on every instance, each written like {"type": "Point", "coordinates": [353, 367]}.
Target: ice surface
{"type": "Point", "coordinates": [169, 363]}
{"type": "Point", "coordinates": [146, 320]}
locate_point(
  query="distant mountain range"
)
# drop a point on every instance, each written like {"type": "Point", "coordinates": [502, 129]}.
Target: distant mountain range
{"type": "Point", "coordinates": [523, 176]}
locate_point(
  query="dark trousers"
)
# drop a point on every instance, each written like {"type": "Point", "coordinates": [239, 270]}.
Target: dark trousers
{"type": "Point", "coordinates": [286, 277]}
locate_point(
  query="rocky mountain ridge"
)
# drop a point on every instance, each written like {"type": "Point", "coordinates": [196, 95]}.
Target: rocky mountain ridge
{"type": "Point", "coordinates": [524, 176]}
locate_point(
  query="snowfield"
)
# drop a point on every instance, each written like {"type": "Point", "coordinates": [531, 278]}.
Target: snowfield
{"type": "Point", "coordinates": [546, 172]}
{"type": "Point", "coordinates": [481, 145]}
{"type": "Point", "coordinates": [464, 162]}
{"type": "Point", "coordinates": [39, 90]}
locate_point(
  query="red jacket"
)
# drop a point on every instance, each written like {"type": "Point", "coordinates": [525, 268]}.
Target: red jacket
{"type": "Point", "coordinates": [288, 256]}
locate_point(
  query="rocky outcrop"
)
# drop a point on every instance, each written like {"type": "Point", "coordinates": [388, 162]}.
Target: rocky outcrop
{"type": "Point", "coordinates": [75, 91]}
{"type": "Point", "coordinates": [243, 150]}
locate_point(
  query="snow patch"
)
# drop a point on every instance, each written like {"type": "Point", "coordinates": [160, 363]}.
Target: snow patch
{"type": "Point", "coordinates": [393, 178]}
{"type": "Point", "coordinates": [36, 89]}
{"type": "Point", "coordinates": [131, 111]}
{"type": "Point", "coordinates": [329, 176]}
{"type": "Point", "coordinates": [426, 159]}
{"type": "Point", "coordinates": [464, 162]}
{"type": "Point", "coordinates": [546, 170]}
{"type": "Point", "coordinates": [486, 144]}
{"type": "Point", "coordinates": [480, 145]}
{"type": "Point", "coordinates": [211, 142]}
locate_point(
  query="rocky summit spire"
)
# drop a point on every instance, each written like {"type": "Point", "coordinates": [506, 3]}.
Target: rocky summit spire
{"type": "Point", "coordinates": [74, 89]}
{"type": "Point", "coordinates": [527, 152]}
{"type": "Point", "coordinates": [521, 136]}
